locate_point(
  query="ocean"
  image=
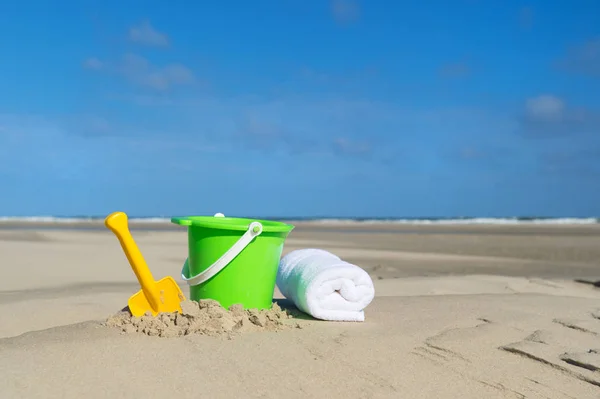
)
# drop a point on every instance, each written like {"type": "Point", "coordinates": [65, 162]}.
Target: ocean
{"type": "Point", "coordinates": [323, 220]}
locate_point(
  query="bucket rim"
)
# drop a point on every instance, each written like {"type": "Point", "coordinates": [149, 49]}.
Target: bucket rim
{"type": "Point", "coordinates": [231, 223]}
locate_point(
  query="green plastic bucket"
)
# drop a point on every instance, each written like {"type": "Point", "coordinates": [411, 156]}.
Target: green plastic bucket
{"type": "Point", "coordinates": [233, 260]}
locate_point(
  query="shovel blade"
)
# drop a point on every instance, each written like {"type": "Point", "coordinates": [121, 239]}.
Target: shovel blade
{"type": "Point", "coordinates": [170, 298]}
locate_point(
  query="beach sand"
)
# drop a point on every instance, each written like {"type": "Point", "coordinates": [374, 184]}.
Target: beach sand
{"type": "Point", "coordinates": [460, 312]}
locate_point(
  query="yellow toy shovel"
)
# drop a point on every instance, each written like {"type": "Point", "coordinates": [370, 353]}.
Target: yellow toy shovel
{"type": "Point", "coordinates": [155, 296]}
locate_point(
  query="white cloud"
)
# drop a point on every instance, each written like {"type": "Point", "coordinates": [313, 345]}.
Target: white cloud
{"type": "Point", "coordinates": [526, 17]}
{"type": "Point", "coordinates": [79, 147]}
{"type": "Point", "coordinates": [347, 146]}
{"type": "Point", "coordinates": [93, 63]}
{"type": "Point", "coordinates": [545, 107]}
{"type": "Point", "coordinates": [583, 58]}
{"type": "Point", "coordinates": [455, 70]}
{"type": "Point", "coordinates": [550, 116]}
{"type": "Point", "coordinates": [145, 34]}
{"type": "Point", "coordinates": [141, 72]}
{"type": "Point", "coordinates": [345, 11]}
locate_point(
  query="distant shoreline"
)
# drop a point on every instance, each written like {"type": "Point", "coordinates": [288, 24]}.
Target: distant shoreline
{"type": "Point", "coordinates": [318, 227]}
{"type": "Point", "coordinates": [162, 222]}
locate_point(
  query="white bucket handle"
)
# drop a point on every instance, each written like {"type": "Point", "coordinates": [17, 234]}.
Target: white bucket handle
{"type": "Point", "coordinates": [254, 229]}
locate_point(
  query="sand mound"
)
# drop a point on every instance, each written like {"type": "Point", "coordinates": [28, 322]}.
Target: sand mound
{"type": "Point", "coordinates": [206, 317]}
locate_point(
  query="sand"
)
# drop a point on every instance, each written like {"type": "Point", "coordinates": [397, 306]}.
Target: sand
{"type": "Point", "coordinates": [205, 317]}
{"type": "Point", "coordinates": [463, 311]}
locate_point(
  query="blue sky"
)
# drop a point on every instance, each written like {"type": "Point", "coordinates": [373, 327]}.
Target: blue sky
{"type": "Point", "coordinates": [300, 108]}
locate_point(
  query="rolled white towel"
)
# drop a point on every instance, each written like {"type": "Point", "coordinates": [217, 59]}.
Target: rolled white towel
{"type": "Point", "coordinates": [324, 286]}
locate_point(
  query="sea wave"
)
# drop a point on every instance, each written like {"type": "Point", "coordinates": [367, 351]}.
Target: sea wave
{"type": "Point", "coordinates": [454, 221]}
{"type": "Point", "coordinates": [72, 220]}
{"type": "Point", "coordinates": [410, 221]}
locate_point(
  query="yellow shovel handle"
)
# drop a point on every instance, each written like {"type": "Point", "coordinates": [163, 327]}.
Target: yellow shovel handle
{"type": "Point", "coordinates": [117, 223]}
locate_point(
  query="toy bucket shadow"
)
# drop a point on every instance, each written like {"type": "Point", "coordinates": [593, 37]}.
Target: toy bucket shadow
{"type": "Point", "coordinates": [291, 309]}
{"type": "Point", "coordinates": [592, 282]}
